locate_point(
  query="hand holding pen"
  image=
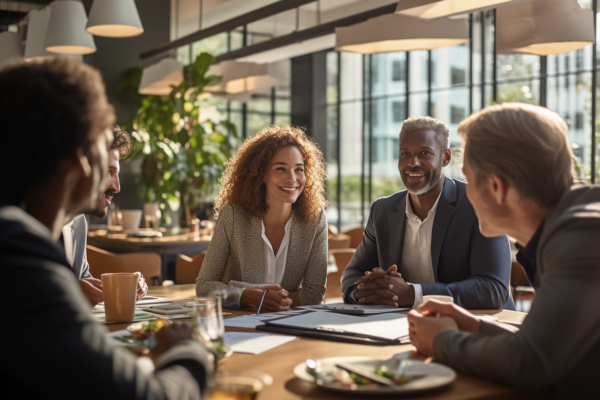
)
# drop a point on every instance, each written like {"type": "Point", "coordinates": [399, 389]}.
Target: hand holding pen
{"type": "Point", "coordinates": [268, 298]}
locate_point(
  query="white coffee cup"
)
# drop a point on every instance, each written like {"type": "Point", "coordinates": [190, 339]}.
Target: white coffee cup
{"type": "Point", "coordinates": [443, 299]}
{"type": "Point", "coordinates": [131, 218]}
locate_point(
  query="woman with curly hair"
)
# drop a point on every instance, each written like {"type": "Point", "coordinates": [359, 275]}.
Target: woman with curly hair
{"type": "Point", "coordinates": [271, 232]}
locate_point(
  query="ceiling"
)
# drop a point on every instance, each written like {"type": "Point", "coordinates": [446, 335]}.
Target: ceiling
{"type": "Point", "coordinates": [12, 12]}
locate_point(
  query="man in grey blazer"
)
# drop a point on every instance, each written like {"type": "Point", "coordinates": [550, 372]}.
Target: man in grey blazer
{"type": "Point", "coordinates": [425, 240]}
{"type": "Point", "coordinates": [74, 234]}
{"type": "Point", "coordinates": [518, 162]}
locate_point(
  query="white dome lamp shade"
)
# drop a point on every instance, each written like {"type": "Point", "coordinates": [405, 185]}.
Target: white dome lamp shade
{"type": "Point", "coordinates": [157, 79]}
{"type": "Point", "coordinates": [66, 30]}
{"type": "Point", "coordinates": [431, 9]}
{"type": "Point", "coordinates": [393, 32]}
{"type": "Point", "coordinates": [36, 34]}
{"type": "Point", "coordinates": [114, 18]}
{"type": "Point", "coordinates": [11, 48]}
{"type": "Point", "coordinates": [544, 27]}
{"type": "Point", "coordinates": [241, 77]}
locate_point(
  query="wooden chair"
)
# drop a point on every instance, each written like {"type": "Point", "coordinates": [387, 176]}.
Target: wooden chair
{"type": "Point", "coordinates": [340, 241]}
{"type": "Point", "coordinates": [356, 236]}
{"type": "Point", "coordinates": [342, 258]}
{"type": "Point", "coordinates": [332, 230]}
{"type": "Point", "coordinates": [188, 268]}
{"type": "Point", "coordinates": [520, 287]}
{"type": "Point", "coordinates": [105, 262]}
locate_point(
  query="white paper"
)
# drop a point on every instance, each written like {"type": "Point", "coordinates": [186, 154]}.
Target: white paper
{"type": "Point", "coordinates": [254, 343]}
{"type": "Point", "coordinates": [251, 321]}
{"type": "Point", "coordinates": [385, 326]}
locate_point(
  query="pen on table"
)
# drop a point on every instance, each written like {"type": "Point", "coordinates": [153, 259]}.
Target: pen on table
{"type": "Point", "coordinates": [261, 301]}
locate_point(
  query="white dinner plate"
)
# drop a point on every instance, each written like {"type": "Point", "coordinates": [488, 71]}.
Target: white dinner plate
{"type": "Point", "coordinates": [427, 376]}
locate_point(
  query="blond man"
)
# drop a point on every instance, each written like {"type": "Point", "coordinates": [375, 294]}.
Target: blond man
{"type": "Point", "coordinates": [518, 163]}
{"type": "Point", "coordinates": [425, 240]}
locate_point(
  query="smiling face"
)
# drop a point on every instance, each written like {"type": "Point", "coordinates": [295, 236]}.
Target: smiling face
{"type": "Point", "coordinates": [421, 161]}
{"type": "Point", "coordinates": [285, 177]}
{"type": "Point", "coordinates": [112, 185]}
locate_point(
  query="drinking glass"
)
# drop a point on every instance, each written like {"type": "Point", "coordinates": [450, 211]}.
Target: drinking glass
{"type": "Point", "coordinates": [208, 319]}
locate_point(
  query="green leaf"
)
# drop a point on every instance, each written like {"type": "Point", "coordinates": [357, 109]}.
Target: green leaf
{"type": "Point", "coordinates": [217, 137]}
{"type": "Point", "coordinates": [203, 62]}
{"type": "Point", "coordinates": [187, 106]}
{"type": "Point", "coordinates": [173, 201]}
{"type": "Point", "coordinates": [167, 175]}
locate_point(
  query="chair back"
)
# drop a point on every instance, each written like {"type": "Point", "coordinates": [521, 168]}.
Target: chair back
{"type": "Point", "coordinates": [188, 268]}
{"type": "Point", "coordinates": [332, 230]}
{"type": "Point", "coordinates": [339, 242]}
{"type": "Point", "coordinates": [105, 262]}
{"type": "Point", "coordinates": [518, 277]}
{"type": "Point", "coordinates": [356, 236]}
{"type": "Point", "coordinates": [342, 258]}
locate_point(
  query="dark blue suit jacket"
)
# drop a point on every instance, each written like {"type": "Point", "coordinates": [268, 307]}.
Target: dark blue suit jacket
{"type": "Point", "coordinates": [473, 269]}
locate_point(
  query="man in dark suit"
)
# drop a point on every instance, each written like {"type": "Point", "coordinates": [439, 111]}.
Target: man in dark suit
{"type": "Point", "coordinates": [519, 165]}
{"type": "Point", "coordinates": [55, 157]}
{"type": "Point", "coordinates": [425, 240]}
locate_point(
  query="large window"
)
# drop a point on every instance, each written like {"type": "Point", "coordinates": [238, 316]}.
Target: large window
{"type": "Point", "coordinates": [378, 92]}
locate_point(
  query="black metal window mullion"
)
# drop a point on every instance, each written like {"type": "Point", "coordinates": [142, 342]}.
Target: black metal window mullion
{"type": "Point", "coordinates": [407, 82]}
{"type": "Point", "coordinates": [471, 64]}
{"type": "Point", "coordinates": [495, 64]}
{"type": "Point", "coordinates": [273, 105]}
{"type": "Point", "coordinates": [483, 101]}
{"type": "Point", "coordinates": [594, 84]}
{"type": "Point", "coordinates": [429, 82]}
{"type": "Point", "coordinates": [244, 105]}
{"type": "Point", "coordinates": [370, 186]}
{"type": "Point", "coordinates": [338, 142]}
{"type": "Point", "coordinates": [543, 81]}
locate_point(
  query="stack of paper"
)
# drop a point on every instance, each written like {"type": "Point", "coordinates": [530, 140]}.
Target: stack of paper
{"type": "Point", "coordinates": [254, 343]}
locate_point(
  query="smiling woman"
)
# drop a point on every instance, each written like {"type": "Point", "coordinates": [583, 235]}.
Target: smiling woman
{"type": "Point", "coordinates": [271, 233]}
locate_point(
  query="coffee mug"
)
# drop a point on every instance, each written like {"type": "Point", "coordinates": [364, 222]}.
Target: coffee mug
{"type": "Point", "coordinates": [120, 294]}
{"type": "Point", "coordinates": [131, 218]}
{"type": "Point", "coordinates": [443, 299]}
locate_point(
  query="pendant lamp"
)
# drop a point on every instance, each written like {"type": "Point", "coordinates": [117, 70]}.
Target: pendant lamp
{"type": "Point", "coordinates": [157, 79]}
{"type": "Point", "coordinates": [66, 30]}
{"type": "Point", "coordinates": [37, 29]}
{"type": "Point", "coordinates": [543, 27]}
{"type": "Point", "coordinates": [393, 32]}
{"type": "Point", "coordinates": [114, 18]}
{"type": "Point", "coordinates": [240, 77]}
{"type": "Point", "coordinates": [11, 47]}
{"type": "Point", "coordinates": [431, 9]}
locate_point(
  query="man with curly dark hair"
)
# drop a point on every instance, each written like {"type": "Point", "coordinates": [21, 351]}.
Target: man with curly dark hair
{"type": "Point", "coordinates": [56, 135]}
{"type": "Point", "coordinates": [271, 236]}
{"type": "Point", "coordinates": [74, 234]}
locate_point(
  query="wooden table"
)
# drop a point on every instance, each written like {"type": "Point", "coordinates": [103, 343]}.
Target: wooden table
{"type": "Point", "coordinates": [280, 362]}
{"type": "Point", "coordinates": [168, 247]}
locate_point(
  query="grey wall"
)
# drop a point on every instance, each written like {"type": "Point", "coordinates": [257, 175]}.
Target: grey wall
{"type": "Point", "coordinates": [115, 56]}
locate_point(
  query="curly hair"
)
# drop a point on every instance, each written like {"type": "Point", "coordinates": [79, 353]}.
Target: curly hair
{"type": "Point", "coordinates": [242, 181]}
{"type": "Point", "coordinates": [122, 141]}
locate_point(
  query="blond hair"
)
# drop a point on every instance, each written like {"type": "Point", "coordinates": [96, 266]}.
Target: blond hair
{"type": "Point", "coordinates": [526, 145]}
{"type": "Point", "coordinates": [430, 124]}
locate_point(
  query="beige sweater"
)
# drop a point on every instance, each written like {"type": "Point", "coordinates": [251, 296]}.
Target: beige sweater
{"type": "Point", "coordinates": [235, 256]}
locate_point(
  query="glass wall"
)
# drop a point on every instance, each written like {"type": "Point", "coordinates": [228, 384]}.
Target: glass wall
{"type": "Point", "coordinates": [370, 96]}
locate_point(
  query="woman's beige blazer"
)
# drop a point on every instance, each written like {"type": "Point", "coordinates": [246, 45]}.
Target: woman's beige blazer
{"type": "Point", "coordinates": [235, 256]}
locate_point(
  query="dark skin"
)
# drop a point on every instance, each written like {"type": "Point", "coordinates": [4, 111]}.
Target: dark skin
{"type": "Point", "coordinates": [420, 164]}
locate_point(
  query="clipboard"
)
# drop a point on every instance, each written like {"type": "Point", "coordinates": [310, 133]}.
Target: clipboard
{"type": "Point", "coordinates": [337, 335]}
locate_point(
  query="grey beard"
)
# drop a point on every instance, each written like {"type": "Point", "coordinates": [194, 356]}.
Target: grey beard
{"type": "Point", "coordinates": [427, 188]}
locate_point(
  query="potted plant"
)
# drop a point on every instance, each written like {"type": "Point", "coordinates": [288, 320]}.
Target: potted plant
{"type": "Point", "coordinates": [182, 139]}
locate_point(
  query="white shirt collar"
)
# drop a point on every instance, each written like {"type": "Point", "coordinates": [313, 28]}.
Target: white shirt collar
{"type": "Point", "coordinates": [409, 211]}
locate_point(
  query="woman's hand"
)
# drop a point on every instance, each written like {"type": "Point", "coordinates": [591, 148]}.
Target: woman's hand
{"type": "Point", "coordinates": [465, 321]}
{"type": "Point", "coordinates": [276, 298]}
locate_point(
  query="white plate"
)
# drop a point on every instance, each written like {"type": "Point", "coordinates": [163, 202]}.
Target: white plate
{"type": "Point", "coordinates": [434, 375]}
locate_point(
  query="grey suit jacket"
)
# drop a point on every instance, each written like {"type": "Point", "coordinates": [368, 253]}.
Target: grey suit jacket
{"type": "Point", "coordinates": [559, 341]}
{"type": "Point", "coordinates": [75, 240]}
{"type": "Point", "coordinates": [235, 256]}
{"type": "Point", "coordinates": [473, 269]}
{"type": "Point", "coordinates": [52, 336]}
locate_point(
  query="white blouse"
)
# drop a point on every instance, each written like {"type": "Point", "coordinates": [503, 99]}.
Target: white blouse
{"type": "Point", "coordinates": [275, 264]}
